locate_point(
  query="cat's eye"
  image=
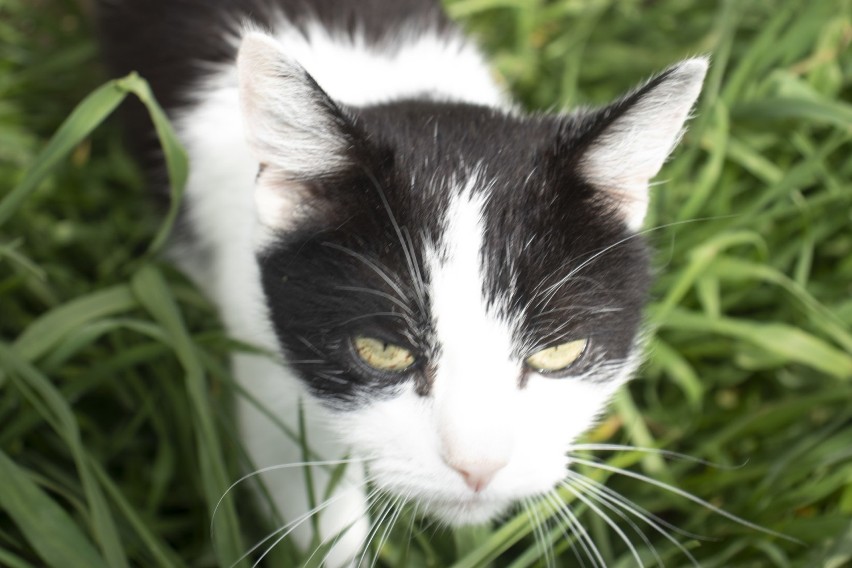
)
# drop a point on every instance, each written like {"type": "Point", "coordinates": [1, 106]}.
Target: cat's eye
{"type": "Point", "coordinates": [558, 357]}
{"type": "Point", "coordinates": [382, 355]}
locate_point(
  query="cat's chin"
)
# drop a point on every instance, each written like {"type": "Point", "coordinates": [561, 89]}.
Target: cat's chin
{"type": "Point", "coordinates": [459, 512]}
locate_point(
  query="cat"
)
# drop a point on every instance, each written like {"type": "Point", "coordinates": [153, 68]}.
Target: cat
{"type": "Point", "coordinates": [454, 287]}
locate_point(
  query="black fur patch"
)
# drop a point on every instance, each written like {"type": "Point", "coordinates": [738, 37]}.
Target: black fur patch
{"type": "Point", "coordinates": [347, 270]}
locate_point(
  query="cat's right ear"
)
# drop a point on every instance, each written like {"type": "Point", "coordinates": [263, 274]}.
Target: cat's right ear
{"type": "Point", "coordinates": [291, 123]}
{"type": "Point", "coordinates": [294, 129]}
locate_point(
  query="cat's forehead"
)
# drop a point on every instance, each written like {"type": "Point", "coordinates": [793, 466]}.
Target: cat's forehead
{"type": "Point", "coordinates": [523, 170]}
{"type": "Point", "coordinates": [445, 139]}
{"type": "Point", "coordinates": [536, 215]}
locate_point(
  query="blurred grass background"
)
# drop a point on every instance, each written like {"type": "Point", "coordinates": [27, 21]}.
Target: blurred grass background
{"type": "Point", "coordinates": [116, 439]}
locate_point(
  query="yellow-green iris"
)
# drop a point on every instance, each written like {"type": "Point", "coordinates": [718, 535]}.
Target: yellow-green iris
{"type": "Point", "coordinates": [382, 355]}
{"type": "Point", "coordinates": [558, 357]}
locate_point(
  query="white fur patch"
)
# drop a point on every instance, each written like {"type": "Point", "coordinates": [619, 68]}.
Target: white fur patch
{"type": "Point", "coordinates": [476, 375]}
{"type": "Point", "coordinates": [415, 63]}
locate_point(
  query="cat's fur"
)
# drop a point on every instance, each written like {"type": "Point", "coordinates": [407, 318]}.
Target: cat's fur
{"type": "Point", "coordinates": [355, 170]}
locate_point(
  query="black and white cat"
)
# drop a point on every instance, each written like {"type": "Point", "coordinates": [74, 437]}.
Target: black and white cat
{"type": "Point", "coordinates": [455, 287]}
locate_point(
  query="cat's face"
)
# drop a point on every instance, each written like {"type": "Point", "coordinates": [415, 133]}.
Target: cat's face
{"type": "Point", "coordinates": [461, 286]}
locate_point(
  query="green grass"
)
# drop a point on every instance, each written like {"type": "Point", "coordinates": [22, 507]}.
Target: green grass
{"type": "Point", "coordinates": [116, 436]}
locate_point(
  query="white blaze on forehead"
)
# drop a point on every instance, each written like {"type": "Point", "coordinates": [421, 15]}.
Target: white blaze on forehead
{"type": "Point", "coordinates": [458, 282]}
{"type": "Point", "coordinates": [476, 377]}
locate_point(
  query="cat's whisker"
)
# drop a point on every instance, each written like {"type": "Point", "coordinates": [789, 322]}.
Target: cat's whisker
{"type": "Point", "coordinates": [551, 290]}
{"type": "Point", "coordinates": [562, 510]}
{"type": "Point", "coordinates": [554, 287]}
{"type": "Point", "coordinates": [539, 298]}
{"type": "Point", "coordinates": [413, 516]}
{"type": "Point", "coordinates": [554, 509]}
{"type": "Point", "coordinates": [583, 537]}
{"type": "Point", "coordinates": [331, 377]}
{"type": "Point", "coordinates": [408, 252]}
{"type": "Point", "coordinates": [606, 518]}
{"type": "Point", "coordinates": [378, 314]}
{"type": "Point", "coordinates": [637, 510]}
{"type": "Point", "coordinates": [581, 309]}
{"type": "Point", "coordinates": [307, 362]}
{"type": "Point", "coordinates": [532, 520]}
{"type": "Point", "coordinates": [596, 447]}
{"type": "Point", "coordinates": [607, 494]}
{"type": "Point", "coordinates": [419, 280]}
{"type": "Point", "coordinates": [385, 295]}
{"type": "Point", "coordinates": [577, 534]}
{"type": "Point", "coordinates": [381, 500]}
{"type": "Point", "coordinates": [282, 532]}
{"type": "Point", "coordinates": [368, 497]}
{"type": "Point", "coordinates": [540, 530]}
{"type": "Point", "coordinates": [684, 494]}
{"type": "Point", "coordinates": [307, 343]}
{"type": "Point", "coordinates": [277, 467]}
{"type": "Point", "coordinates": [398, 507]}
{"type": "Point", "coordinates": [619, 509]}
{"type": "Point", "coordinates": [396, 287]}
{"type": "Point", "coordinates": [376, 525]}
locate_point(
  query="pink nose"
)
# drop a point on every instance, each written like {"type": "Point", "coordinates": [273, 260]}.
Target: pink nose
{"type": "Point", "coordinates": [479, 475]}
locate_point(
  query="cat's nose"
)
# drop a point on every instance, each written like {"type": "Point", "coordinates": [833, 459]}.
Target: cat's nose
{"type": "Point", "coordinates": [478, 475]}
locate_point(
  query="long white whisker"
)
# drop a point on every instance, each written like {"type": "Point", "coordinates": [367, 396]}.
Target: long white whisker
{"type": "Point", "coordinates": [641, 512]}
{"type": "Point", "coordinates": [553, 511]}
{"type": "Point", "coordinates": [373, 266]}
{"type": "Point", "coordinates": [411, 527]}
{"type": "Point", "coordinates": [287, 529]}
{"type": "Point", "coordinates": [337, 536]}
{"type": "Point", "coordinates": [409, 254]}
{"type": "Point", "coordinates": [396, 301]}
{"type": "Point", "coordinates": [276, 468]}
{"type": "Point", "coordinates": [398, 504]}
{"type": "Point", "coordinates": [548, 293]}
{"type": "Point", "coordinates": [421, 283]}
{"type": "Point", "coordinates": [659, 451]}
{"type": "Point", "coordinates": [606, 501]}
{"type": "Point", "coordinates": [579, 495]}
{"type": "Point", "coordinates": [583, 536]}
{"type": "Point", "coordinates": [375, 528]}
{"type": "Point", "coordinates": [539, 531]}
{"type": "Point", "coordinates": [557, 504]}
{"type": "Point", "coordinates": [685, 495]}
{"type": "Point", "coordinates": [378, 314]}
{"type": "Point", "coordinates": [617, 500]}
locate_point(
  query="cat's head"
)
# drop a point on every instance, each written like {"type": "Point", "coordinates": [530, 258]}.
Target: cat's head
{"type": "Point", "coordinates": [461, 286]}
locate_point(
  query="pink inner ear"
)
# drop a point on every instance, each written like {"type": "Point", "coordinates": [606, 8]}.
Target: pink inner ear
{"type": "Point", "coordinates": [279, 202]}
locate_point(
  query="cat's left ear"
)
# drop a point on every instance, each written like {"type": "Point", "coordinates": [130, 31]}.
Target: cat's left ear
{"type": "Point", "coordinates": [636, 134]}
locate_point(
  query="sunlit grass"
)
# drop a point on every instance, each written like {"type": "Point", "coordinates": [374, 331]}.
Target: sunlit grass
{"type": "Point", "coordinates": [116, 438]}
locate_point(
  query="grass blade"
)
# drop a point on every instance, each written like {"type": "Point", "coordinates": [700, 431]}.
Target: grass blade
{"type": "Point", "coordinates": [80, 123]}
{"type": "Point", "coordinates": [46, 526]}
{"type": "Point", "coordinates": [153, 293]}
